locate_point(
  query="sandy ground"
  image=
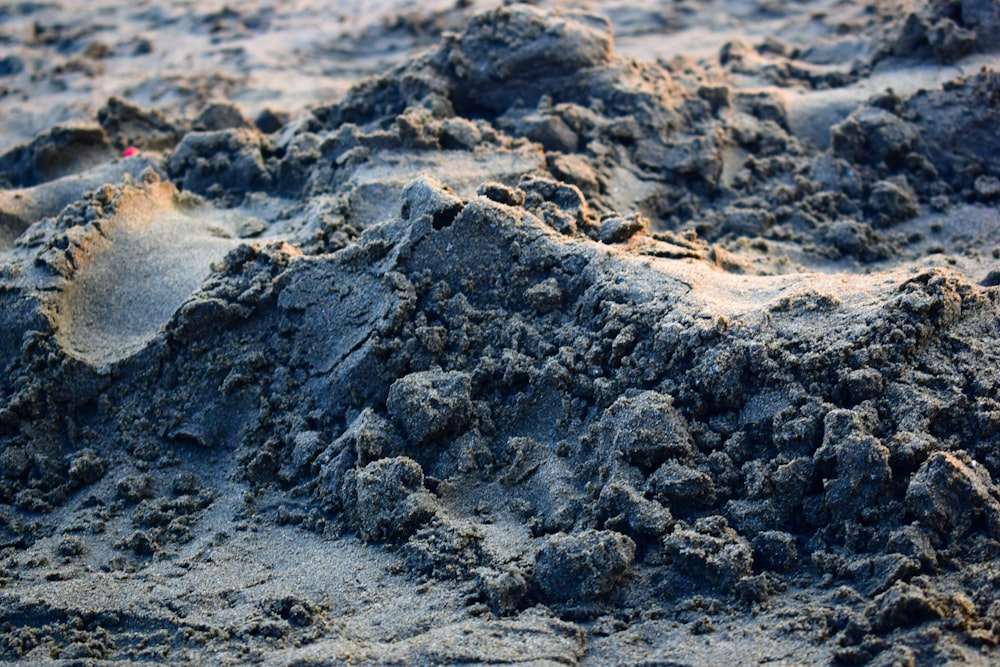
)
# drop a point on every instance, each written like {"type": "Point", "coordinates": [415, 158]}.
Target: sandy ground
{"type": "Point", "coordinates": [624, 332]}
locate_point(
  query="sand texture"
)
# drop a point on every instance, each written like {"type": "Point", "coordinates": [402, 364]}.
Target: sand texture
{"type": "Point", "coordinates": [621, 332]}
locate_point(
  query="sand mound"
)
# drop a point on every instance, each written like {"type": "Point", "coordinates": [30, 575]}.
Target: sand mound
{"type": "Point", "coordinates": [540, 354]}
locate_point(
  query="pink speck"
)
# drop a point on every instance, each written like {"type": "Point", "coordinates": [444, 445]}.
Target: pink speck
{"type": "Point", "coordinates": [130, 151]}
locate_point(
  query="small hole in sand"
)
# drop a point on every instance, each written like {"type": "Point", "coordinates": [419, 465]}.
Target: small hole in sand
{"type": "Point", "coordinates": [445, 217]}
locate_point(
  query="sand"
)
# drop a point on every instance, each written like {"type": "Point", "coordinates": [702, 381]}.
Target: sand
{"type": "Point", "coordinates": [623, 332]}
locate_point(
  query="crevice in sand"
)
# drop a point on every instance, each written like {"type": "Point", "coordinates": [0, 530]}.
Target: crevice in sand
{"type": "Point", "coordinates": [10, 228]}
{"type": "Point", "coordinates": [153, 255]}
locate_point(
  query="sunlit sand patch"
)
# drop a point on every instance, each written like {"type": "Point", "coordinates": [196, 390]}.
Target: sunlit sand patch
{"type": "Point", "coordinates": [379, 182]}
{"type": "Point", "coordinates": [152, 255]}
{"type": "Point", "coordinates": [812, 113]}
{"type": "Point", "coordinates": [22, 207]}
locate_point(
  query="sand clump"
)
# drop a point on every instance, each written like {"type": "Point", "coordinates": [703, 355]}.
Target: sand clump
{"type": "Point", "coordinates": [522, 350]}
